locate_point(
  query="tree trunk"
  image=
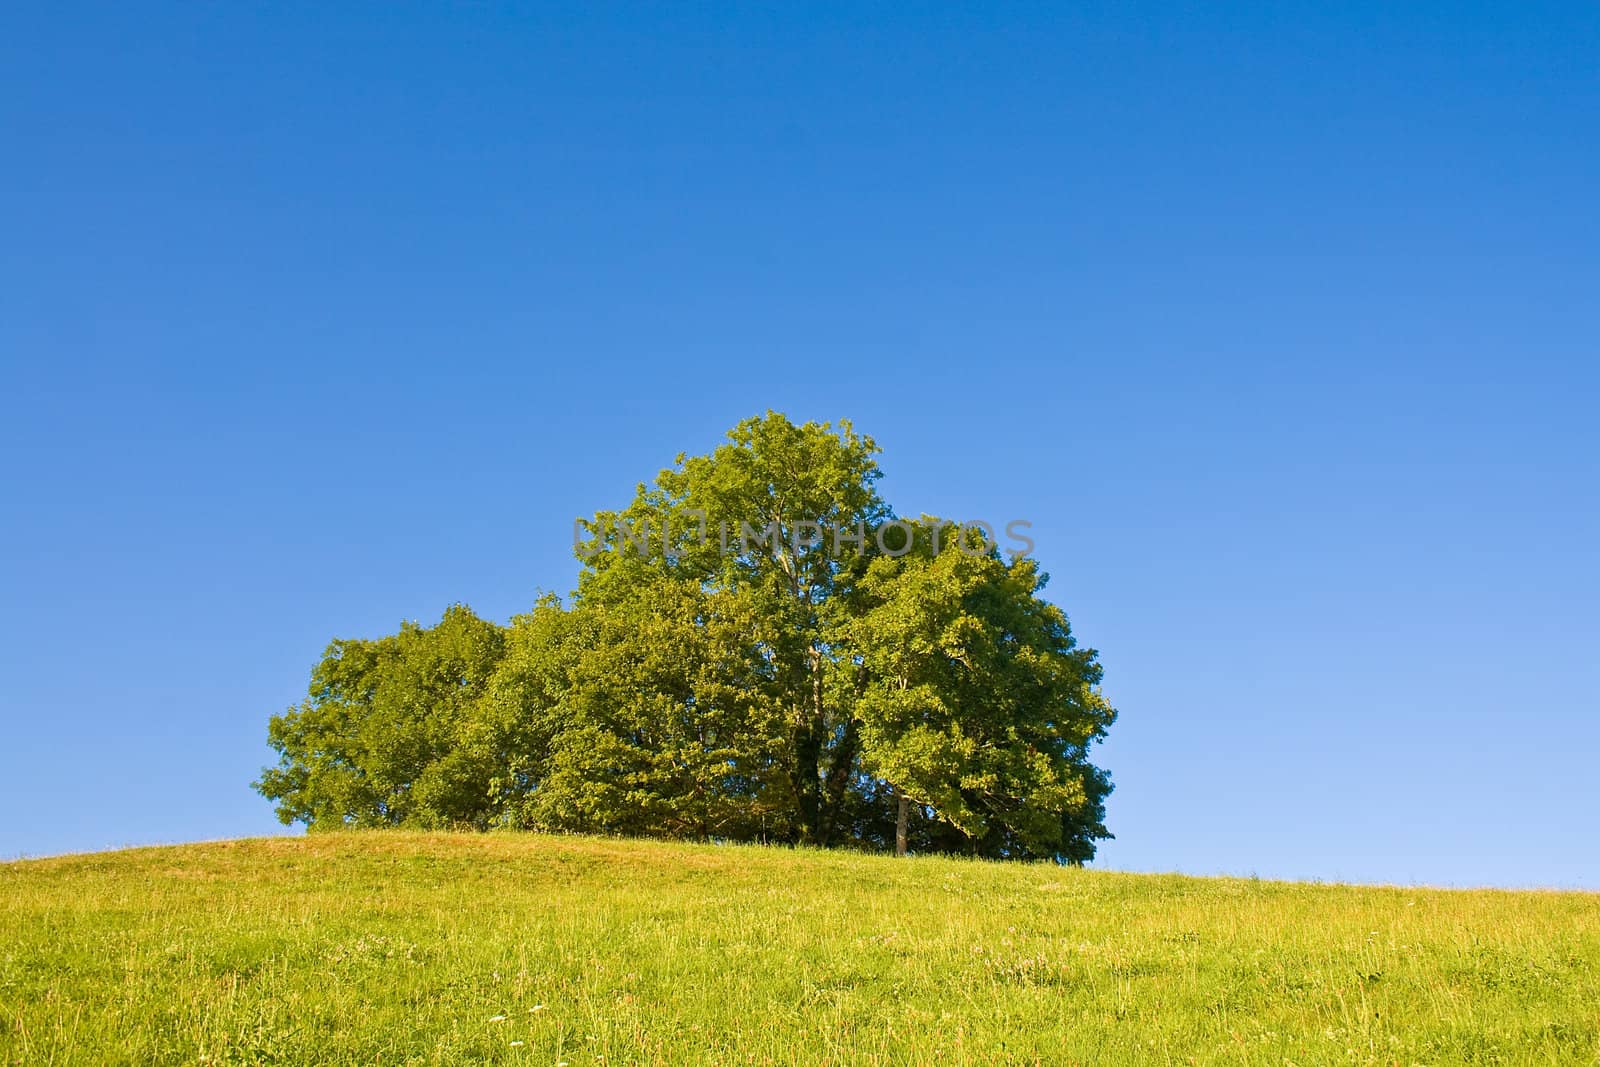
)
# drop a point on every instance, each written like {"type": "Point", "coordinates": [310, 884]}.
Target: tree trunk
{"type": "Point", "coordinates": [840, 767]}
{"type": "Point", "coordinates": [810, 723]}
{"type": "Point", "coordinates": [807, 777]}
{"type": "Point", "coordinates": [902, 818]}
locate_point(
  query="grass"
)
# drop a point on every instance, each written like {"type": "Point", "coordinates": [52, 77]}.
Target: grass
{"type": "Point", "coordinates": [402, 948]}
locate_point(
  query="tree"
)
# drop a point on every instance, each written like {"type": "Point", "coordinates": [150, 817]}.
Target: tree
{"type": "Point", "coordinates": [977, 708]}
{"type": "Point", "coordinates": [747, 520]}
{"type": "Point", "coordinates": [752, 653]}
{"type": "Point", "coordinates": [387, 734]}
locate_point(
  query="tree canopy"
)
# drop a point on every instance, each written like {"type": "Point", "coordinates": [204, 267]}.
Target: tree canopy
{"type": "Point", "coordinates": [757, 649]}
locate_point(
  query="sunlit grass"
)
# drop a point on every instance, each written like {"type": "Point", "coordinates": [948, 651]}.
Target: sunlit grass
{"type": "Point", "coordinates": [396, 948]}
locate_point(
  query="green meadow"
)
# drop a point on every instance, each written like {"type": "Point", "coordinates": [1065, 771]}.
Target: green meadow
{"type": "Point", "coordinates": [410, 948]}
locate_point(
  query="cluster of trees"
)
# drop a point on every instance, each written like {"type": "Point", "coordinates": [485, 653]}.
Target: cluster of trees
{"type": "Point", "coordinates": [786, 691]}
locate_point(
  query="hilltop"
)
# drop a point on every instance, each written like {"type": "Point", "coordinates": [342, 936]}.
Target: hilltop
{"type": "Point", "coordinates": [411, 948]}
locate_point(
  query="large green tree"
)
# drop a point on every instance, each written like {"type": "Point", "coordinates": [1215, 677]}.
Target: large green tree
{"type": "Point", "coordinates": [771, 521]}
{"type": "Point", "coordinates": [389, 732]}
{"type": "Point", "coordinates": [755, 650]}
{"type": "Point", "coordinates": [977, 707]}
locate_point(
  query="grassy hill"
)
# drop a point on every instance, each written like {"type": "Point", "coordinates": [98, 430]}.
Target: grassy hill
{"type": "Point", "coordinates": [394, 948]}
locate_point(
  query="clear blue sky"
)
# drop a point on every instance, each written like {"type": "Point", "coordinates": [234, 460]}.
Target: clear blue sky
{"type": "Point", "coordinates": [1280, 325]}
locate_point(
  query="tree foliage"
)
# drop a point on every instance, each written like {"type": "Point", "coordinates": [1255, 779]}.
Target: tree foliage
{"type": "Point", "coordinates": [744, 658]}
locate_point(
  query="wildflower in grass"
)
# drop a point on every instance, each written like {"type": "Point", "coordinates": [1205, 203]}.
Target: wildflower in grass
{"type": "Point", "coordinates": [518, 1044]}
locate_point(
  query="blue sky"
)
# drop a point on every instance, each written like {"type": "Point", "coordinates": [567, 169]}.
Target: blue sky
{"type": "Point", "coordinates": [1279, 324]}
